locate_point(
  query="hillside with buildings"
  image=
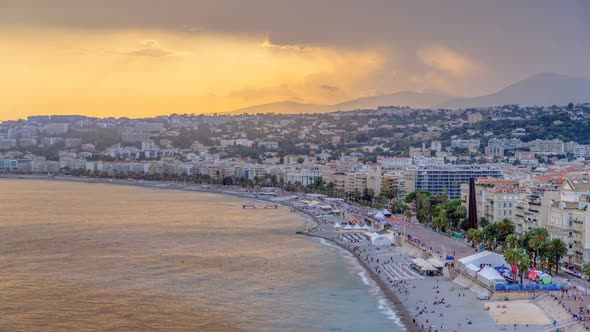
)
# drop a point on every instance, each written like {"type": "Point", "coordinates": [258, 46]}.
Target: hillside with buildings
{"type": "Point", "coordinates": [530, 162]}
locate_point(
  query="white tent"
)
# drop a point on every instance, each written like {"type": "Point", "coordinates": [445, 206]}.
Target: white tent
{"type": "Point", "coordinates": [423, 266]}
{"type": "Point", "coordinates": [366, 227]}
{"type": "Point", "coordinates": [347, 227]}
{"type": "Point", "coordinates": [386, 213]}
{"type": "Point", "coordinates": [482, 259]}
{"type": "Point", "coordinates": [379, 216]}
{"type": "Point", "coordinates": [356, 227]}
{"type": "Point", "coordinates": [337, 225]}
{"type": "Point", "coordinates": [382, 239]}
{"type": "Point", "coordinates": [490, 276]}
{"type": "Point", "coordinates": [471, 269]}
{"type": "Point", "coordinates": [436, 263]}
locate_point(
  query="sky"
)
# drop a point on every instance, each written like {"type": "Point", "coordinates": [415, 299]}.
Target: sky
{"type": "Point", "coordinates": [152, 57]}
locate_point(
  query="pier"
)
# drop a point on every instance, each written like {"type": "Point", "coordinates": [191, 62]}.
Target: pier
{"type": "Point", "coordinates": [252, 206]}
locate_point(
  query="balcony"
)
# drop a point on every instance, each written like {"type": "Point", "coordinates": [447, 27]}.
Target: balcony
{"type": "Point", "coordinates": [579, 222]}
{"type": "Point", "coordinates": [535, 202]}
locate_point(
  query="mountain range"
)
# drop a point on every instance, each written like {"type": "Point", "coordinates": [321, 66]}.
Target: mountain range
{"type": "Point", "coordinates": [541, 90]}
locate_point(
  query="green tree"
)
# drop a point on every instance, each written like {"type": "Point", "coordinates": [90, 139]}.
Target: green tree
{"type": "Point", "coordinates": [537, 239]}
{"type": "Point", "coordinates": [483, 222]}
{"type": "Point", "coordinates": [519, 258]}
{"type": "Point", "coordinates": [505, 228]}
{"type": "Point", "coordinates": [511, 241]}
{"type": "Point", "coordinates": [523, 262]}
{"type": "Point", "coordinates": [586, 269]}
{"type": "Point", "coordinates": [554, 251]}
{"type": "Point", "coordinates": [474, 235]}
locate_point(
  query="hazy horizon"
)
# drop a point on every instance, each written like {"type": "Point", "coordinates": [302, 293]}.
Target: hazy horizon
{"type": "Point", "coordinates": [115, 58]}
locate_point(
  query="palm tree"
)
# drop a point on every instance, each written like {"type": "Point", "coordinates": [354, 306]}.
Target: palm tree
{"type": "Point", "coordinates": [474, 235]}
{"type": "Point", "coordinates": [519, 258]}
{"type": "Point", "coordinates": [511, 241]}
{"type": "Point", "coordinates": [505, 228]}
{"type": "Point", "coordinates": [460, 212]}
{"type": "Point", "coordinates": [554, 251]}
{"type": "Point", "coordinates": [538, 238]}
{"type": "Point", "coordinates": [483, 222]}
{"type": "Point", "coordinates": [523, 262]}
{"type": "Point", "coordinates": [511, 256]}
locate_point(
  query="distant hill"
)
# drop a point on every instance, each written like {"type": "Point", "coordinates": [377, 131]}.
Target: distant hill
{"type": "Point", "coordinates": [285, 107]}
{"type": "Point", "coordinates": [404, 98]}
{"type": "Point", "coordinates": [541, 90]}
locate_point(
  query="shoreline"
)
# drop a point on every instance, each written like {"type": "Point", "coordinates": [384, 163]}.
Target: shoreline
{"type": "Point", "coordinates": [400, 310]}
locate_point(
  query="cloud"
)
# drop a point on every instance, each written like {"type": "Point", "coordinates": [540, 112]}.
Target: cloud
{"type": "Point", "coordinates": [299, 48]}
{"type": "Point", "coordinates": [329, 88]}
{"type": "Point", "coordinates": [152, 48]}
{"type": "Point", "coordinates": [447, 61]}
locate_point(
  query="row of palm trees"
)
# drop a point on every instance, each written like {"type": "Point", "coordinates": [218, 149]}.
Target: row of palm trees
{"type": "Point", "coordinates": [534, 247]}
{"type": "Point", "coordinates": [435, 210]}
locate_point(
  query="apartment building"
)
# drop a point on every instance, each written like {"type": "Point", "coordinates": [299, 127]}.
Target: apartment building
{"type": "Point", "coordinates": [554, 146]}
{"type": "Point", "coordinates": [532, 210]}
{"type": "Point", "coordinates": [374, 178]}
{"type": "Point", "coordinates": [568, 218]}
{"type": "Point", "coordinates": [496, 199]}
{"type": "Point", "coordinates": [441, 179]}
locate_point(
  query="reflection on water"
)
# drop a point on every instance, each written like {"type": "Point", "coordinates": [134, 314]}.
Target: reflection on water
{"type": "Point", "coordinates": [99, 257]}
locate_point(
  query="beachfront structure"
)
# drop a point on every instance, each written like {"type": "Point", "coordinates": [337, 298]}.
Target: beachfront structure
{"type": "Point", "coordinates": [305, 176]}
{"type": "Point", "coordinates": [532, 210]}
{"type": "Point", "coordinates": [568, 218]}
{"type": "Point", "coordinates": [477, 262]}
{"type": "Point", "coordinates": [441, 179]}
{"type": "Point", "coordinates": [495, 199]}
{"type": "Point", "coordinates": [490, 277]}
{"type": "Point", "coordinates": [423, 266]}
{"type": "Point", "coordinates": [14, 164]}
{"type": "Point", "coordinates": [383, 238]}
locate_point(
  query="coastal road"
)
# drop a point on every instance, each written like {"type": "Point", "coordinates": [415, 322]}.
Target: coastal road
{"type": "Point", "coordinates": [438, 243]}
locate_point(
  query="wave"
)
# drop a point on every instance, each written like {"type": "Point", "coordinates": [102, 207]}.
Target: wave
{"type": "Point", "coordinates": [326, 243]}
{"type": "Point", "coordinates": [383, 304]}
{"type": "Point", "coordinates": [364, 278]}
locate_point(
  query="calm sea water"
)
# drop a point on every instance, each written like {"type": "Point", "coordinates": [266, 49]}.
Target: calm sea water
{"type": "Point", "coordinates": [104, 257]}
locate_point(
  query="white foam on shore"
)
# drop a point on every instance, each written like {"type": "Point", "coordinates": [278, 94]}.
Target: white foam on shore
{"type": "Point", "coordinates": [383, 304]}
{"type": "Point", "coordinates": [364, 278]}
{"type": "Point", "coordinates": [326, 243]}
{"type": "Point", "coordinates": [386, 310]}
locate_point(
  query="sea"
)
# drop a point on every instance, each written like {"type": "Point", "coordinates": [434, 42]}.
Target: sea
{"type": "Point", "coordinates": [105, 257]}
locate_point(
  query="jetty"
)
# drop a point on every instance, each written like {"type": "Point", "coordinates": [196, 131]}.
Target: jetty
{"type": "Point", "coordinates": [253, 206]}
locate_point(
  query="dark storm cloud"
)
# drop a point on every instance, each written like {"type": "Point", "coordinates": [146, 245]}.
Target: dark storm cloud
{"type": "Point", "coordinates": [512, 38]}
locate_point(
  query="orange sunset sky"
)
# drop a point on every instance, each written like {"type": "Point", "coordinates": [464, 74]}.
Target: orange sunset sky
{"type": "Point", "coordinates": [146, 58]}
